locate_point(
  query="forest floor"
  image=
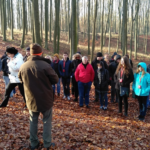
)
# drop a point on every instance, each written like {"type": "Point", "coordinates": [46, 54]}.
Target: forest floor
{"type": "Point", "coordinates": [74, 128]}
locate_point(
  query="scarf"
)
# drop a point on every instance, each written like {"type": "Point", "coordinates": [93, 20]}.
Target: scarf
{"type": "Point", "coordinates": [56, 61]}
{"type": "Point", "coordinates": [64, 64]}
{"type": "Point", "coordinates": [99, 75]}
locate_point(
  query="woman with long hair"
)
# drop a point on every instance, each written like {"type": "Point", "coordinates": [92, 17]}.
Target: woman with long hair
{"type": "Point", "coordinates": [123, 77]}
{"type": "Point", "coordinates": [141, 87]}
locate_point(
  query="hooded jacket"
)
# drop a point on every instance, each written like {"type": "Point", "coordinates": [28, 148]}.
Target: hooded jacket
{"type": "Point", "coordinates": [103, 86]}
{"type": "Point", "coordinates": [38, 77]}
{"type": "Point", "coordinates": [94, 64]}
{"type": "Point", "coordinates": [75, 62]}
{"type": "Point", "coordinates": [145, 82]}
{"type": "Point", "coordinates": [14, 66]}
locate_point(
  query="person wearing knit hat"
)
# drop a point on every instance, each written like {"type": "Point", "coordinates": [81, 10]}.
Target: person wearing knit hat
{"type": "Point", "coordinates": [98, 59]}
{"type": "Point", "coordinates": [27, 54]}
{"type": "Point", "coordinates": [14, 63]}
{"type": "Point", "coordinates": [55, 67]}
{"type": "Point", "coordinates": [38, 77]}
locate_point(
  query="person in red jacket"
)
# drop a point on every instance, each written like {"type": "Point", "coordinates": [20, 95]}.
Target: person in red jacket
{"type": "Point", "coordinates": [84, 75]}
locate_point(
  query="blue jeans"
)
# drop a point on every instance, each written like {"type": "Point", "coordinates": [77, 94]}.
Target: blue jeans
{"type": "Point", "coordinates": [6, 80]}
{"type": "Point", "coordinates": [148, 101]}
{"type": "Point", "coordinates": [58, 87]}
{"type": "Point", "coordinates": [84, 89]}
{"type": "Point", "coordinates": [103, 96]}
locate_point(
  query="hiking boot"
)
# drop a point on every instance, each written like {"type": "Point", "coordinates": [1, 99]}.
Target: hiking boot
{"type": "Point", "coordinates": [87, 106]}
{"type": "Point", "coordinates": [58, 94]}
{"type": "Point", "coordinates": [68, 98]}
{"type": "Point", "coordinates": [105, 108]}
{"type": "Point", "coordinates": [52, 146]}
{"type": "Point", "coordinates": [101, 107]}
{"type": "Point", "coordinates": [35, 147]}
{"type": "Point", "coordinates": [64, 97]}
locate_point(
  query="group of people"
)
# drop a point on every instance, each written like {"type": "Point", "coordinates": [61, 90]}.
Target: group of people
{"type": "Point", "coordinates": [37, 78]}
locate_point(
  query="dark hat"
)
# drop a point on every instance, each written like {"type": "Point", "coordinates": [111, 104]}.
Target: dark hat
{"type": "Point", "coordinates": [118, 57]}
{"type": "Point", "coordinates": [99, 54]}
{"type": "Point", "coordinates": [11, 50]}
{"type": "Point", "coordinates": [35, 49]}
{"type": "Point", "coordinates": [28, 49]}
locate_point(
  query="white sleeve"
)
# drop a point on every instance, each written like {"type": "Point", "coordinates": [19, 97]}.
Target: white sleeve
{"type": "Point", "coordinates": [15, 65]}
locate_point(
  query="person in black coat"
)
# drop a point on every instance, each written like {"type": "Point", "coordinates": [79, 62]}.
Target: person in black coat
{"type": "Point", "coordinates": [77, 59]}
{"type": "Point", "coordinates": [101, 84]}
{"type": "Point", "coordinates": [123, 77]}
{"type": "Point", "coordinates": [55, 67]}
{"type": "Point", "coordinates": [112, 69]}
{"type": "Point", "coordinates": [98, 59]}
{"type": "Point", "coordinates": [27, 54]}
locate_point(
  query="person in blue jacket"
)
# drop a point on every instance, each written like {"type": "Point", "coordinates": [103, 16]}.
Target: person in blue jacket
{"type": "Point", "coordinates": [141, 87]}
{"type": "Point", "coordinates": [64, 68]}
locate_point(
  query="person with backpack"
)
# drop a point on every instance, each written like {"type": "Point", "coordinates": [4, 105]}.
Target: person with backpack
{"type": "Point", "coordinates": [77, 59]}
{"type": "Point", "coordinates": [101, 84]}
{"type": "Point", "coordinates": [112, 69]}
{"type": "Point", "coordinates": [123, 77]}
{"type": "Point", "coordinates": [64, 68]}
{"type": "Point", "coordinates": [84, 75]}
{"type": "Point", "coordinates": [141, 87]}
{"type": "Point", "coordinates": [14, 64]}
{"type": "Point", "coordinates": [38, 77]}
{"type": "Point", "coordinates": [55, 67]}
{"type": "Point", "coordinates": [99, 57]}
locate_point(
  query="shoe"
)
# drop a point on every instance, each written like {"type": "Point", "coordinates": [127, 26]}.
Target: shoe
{"type": "Point", "coordinates": [35, 147]}
{"type": "Point", "coordinates": [105, 108]}
{"type": "Point", "coordinates": [81, 105]}
{"type": "Point", "coordinates": [87, 106]}
{"type": "Point", "coordinates": [2, 106]}
{"type": "Point", "coordinates": [141, 118]}
{"type": "Point", "coordinates": [75, 100]}
{"type": "Point", "coordinates": [119, 112]}
{"type": "Point", "coordinates": [52, 146]}
{"type": "Point", "coordinates": [58, 94]}
{"type": "Point", "coordinates": [101, 107]}
{"type": "Point", "coordinates": [68, 98]}
{"type": "Point", "coordinates": [64, 97]}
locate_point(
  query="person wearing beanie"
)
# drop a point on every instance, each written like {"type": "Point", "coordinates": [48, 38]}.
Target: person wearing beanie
{"type": "Point", "coordinates": [98, 59]}
{"type": "Point", "coordinates": [38, 77]}
{"type": "Point", "coordinates": [76, 60]}
{"type": "Point", "coordinates": [55, 67]}
{"type": "Point", "coordinates": [113, 57]}
{"type": "Point", "coordinates": [64, 68]}
{"type": "Point", "coordinates": [27, 54]}
{"type": "Point", "coordinates": [14, 63]}
{"type": "Point", "coordinates": [112, 69]}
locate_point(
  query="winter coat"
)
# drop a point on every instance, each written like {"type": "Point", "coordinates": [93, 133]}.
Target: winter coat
{"type": "Point", "coordinates": [67, 68]}
{"type": "Point", "coordinates": [38, 77]}
{"type": "Point", "coordinates": [55, 67]}
{"type": "Point", "coordinates": [75, 62]}
{"type": "Point", "coordinates": [145, 82]}
{"type": "Point", "coordinates": [94, 64]}
{"type": "Point", "coordinates": [112, 69]}
{"type": "Point", "coordinates": [13, 67]}
{"type": "Point", "coordinates": [5, 67]}
{"type": "Point", "coordinates": [131, 63]}
{"type": "Point", "coordinates": [103, 86]}
{"type": "Point", "coordinates": [126, 79]}
{"type": "Point", "coordinates": [83, 74]}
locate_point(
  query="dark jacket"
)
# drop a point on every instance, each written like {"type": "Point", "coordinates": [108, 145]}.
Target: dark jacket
{"type": "Point", "coordinates": [94, 64]}
{"type": "Point", "coordinates": [25, 58]}
{"type": "Point", "coordinates": [55, 67]}
{"type": "Point", "coordinates": [67, 68]}
{"type": "Point", "coordinates": [38, 77]}
{"type": "Point", "coordinates": [5, 67]}
{"type": "Point", "coordinates": [131, 63]}
{"type": "Point", "coordinates": [103, 86]}
{"type": "Point", "coordinates": [126, 79]}
{"type": "Point", "coordinates": [112, 69]}
{"type": "Point", "coordinates": [75, 62]}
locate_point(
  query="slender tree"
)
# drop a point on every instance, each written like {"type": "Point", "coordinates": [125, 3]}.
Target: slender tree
{"type": "Point", "coordinates": [88, 27]}
{"type": "Point", "coordinates": [46, 24]}
{"type": "Point", "coordinates": [12, 21]}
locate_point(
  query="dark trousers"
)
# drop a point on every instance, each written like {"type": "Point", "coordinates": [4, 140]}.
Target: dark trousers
{"type": "Point", "coordinates": [75, 86]}
{"type": "Point", "coordinates": [66, 86]}
{"type": "Point", "coordinates": [125, 99]}
{"type": "Point", "coordinates": [113, 92]}
{"type": "Point", "coordinates": [142, 105]}
{"type": "Point", "coordinates": [9, 88]}
{"type": "Point", "coordinates": [96, 95]}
